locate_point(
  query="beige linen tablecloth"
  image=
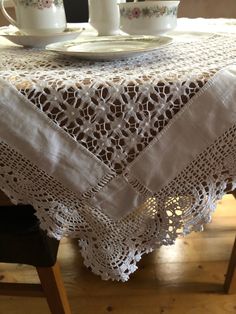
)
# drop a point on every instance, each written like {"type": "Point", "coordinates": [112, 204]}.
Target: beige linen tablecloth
{"type": "Point", "coordinates": [125, 155]}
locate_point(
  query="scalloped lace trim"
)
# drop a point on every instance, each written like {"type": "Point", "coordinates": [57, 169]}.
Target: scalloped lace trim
{"type": "Point", "coordinates": [113, 248]}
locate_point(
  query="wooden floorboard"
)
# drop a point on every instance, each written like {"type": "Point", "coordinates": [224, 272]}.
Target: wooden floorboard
{"type": "Point", "coordinates": [186, 278]}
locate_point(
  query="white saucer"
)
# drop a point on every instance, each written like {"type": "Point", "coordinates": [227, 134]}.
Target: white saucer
{"type": "Point", "coordinates": [189, 36]}
{"type": "Point", "coordinates": [37, 41]}
{"type": "Point", "coordinates": [110, 47]}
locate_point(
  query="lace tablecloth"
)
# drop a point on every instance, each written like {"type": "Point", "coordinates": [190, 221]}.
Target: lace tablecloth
{"type": "Point", "coordinates": [124, 155]}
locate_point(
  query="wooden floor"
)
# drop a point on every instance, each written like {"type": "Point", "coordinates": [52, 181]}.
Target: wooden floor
{"type": "Point", "coordinates": [183, 279]}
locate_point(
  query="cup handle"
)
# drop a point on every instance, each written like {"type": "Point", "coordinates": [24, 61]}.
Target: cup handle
{"type": "Point", "coordinates": [6, 15]}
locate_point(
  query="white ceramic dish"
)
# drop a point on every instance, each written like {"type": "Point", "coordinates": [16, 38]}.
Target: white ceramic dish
{"type": "Point", "coordinates": [148, 17]}
{"type": "Point", "coordinates": [37, 41]}
{"type": "Point", "coordinates": [189, 36]}
{"type": "Point", "coordinates": [110, 47]}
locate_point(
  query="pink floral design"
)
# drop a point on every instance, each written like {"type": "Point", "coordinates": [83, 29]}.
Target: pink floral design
{"type": "Point", "coordinates": [136, 12]}
{"type": "Point", "coordinates": [146, 11]}
{"type": "Point", "coordinates": [47, 3]}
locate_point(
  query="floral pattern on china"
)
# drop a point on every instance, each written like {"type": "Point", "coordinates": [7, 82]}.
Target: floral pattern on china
{"type": "Point", "coordinates": [148, 11]}
{"type": "Point", "coordinates": [41, 4]}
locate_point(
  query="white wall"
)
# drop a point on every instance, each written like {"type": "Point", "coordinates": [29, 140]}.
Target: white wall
{"type": "Point", "coordinates": [3, 21]}
{"type": "Point", "coordinates": [207, 8]}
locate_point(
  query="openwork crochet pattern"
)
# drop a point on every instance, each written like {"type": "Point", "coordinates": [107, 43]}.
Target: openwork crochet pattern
{"type": "Point", "coordinates": [115, 110]}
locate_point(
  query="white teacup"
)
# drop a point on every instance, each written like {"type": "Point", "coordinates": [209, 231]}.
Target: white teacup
{"type": "Point", "coordinates": [148, 17]}
{"type": "Point", "coordinates": [104, 16]}
{"type": "Point", "coordinates": [37, 17]}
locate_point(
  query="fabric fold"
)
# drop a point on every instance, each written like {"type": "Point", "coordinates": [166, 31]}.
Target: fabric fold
{"type": "Point", "coordinates": [35, 136]}
{"type": "Point", "coordinates": [207, 116]}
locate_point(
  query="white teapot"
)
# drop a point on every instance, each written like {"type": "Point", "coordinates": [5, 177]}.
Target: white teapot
{"type": "Point", "coordinates": [104, 16]}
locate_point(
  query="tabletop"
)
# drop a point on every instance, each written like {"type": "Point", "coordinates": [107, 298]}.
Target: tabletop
{"type": "Point", "coordinates": [125, 155]}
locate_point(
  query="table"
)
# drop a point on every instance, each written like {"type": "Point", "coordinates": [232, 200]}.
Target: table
{"type": "Point", "coordinates": [124, 155]}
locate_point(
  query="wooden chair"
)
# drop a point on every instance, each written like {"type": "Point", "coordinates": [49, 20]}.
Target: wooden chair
{"type": "Point", "coordinates": [22, 241]}
{"type": "Point", "coordinates": [230, 279]}
{"type": "Point", "coordinates": [76, 11]}
{"type": "Point", "coordinates": [49, 273]}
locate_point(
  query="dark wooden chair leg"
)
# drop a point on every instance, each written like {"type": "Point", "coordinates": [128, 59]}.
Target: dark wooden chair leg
{"type": "Point", "coordinates": [230, 279]}
{"type": "Point", "coordinates": [234, 193]}
{"type": "Point", "coordinates": [54, 289]}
